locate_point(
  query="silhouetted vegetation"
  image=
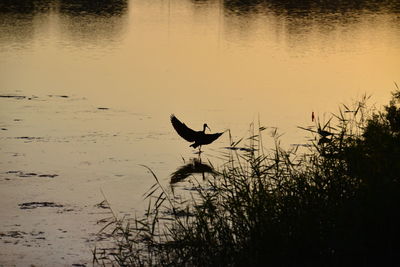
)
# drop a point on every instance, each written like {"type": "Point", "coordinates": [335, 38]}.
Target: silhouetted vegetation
{"type": "Point", "coordinates": [306, 6]}
{"type": "Point", "coordinates": [25, 7]}
{"type": "Point", "coordinates": [94, 7]}
{"type": "Point", "coordinates": [74, 7]}
{"type": "Point", "coordinates": [336, 205]}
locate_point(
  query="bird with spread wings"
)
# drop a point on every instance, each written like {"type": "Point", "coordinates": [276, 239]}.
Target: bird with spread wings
{"type": "Point", "coordinates": [198, 138]}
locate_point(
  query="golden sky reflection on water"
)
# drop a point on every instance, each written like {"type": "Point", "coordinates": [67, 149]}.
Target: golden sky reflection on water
{"type": "Point", "coordinates": [203, 60]}
{"type": "Point", "coordinates": [123, 69]}
{"type": "Point", "coordinates": [206, 61]}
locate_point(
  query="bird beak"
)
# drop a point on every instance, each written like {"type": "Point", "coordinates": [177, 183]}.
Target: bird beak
{"type": "Point", "coordinates": [208, 128]}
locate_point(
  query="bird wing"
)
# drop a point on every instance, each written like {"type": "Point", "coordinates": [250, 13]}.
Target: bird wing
{"type": "Point", "coordinates": [209, 138]}
{"type": "Point", "coordinates": [184, 131]}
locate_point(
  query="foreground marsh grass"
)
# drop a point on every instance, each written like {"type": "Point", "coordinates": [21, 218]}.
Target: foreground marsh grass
{"type": "Point", "coordinates": [336, 205]}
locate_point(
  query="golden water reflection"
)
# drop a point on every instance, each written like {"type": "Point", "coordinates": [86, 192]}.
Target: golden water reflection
{"type": "Point", "coordinates": [94, 86]}
{"type": "Point", "coordinates": [226, 63]}
{"type": "Point", "coordinates": [222, 62]}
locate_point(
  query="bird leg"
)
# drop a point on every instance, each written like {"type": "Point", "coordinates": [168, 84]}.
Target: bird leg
{"type": "Point", "coordinates": [200, 150]}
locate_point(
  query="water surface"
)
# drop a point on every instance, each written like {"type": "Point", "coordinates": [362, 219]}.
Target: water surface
{"type": "Point", "coordinates": [94, 86]}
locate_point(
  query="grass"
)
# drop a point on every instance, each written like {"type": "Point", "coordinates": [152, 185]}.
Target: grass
{"type": "Point", "coordinates": [336, 205]}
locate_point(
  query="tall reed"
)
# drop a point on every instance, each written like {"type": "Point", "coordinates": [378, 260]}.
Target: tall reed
{"type": "Point", "coordinates": [335, 205]}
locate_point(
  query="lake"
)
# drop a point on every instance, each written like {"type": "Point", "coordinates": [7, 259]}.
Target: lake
{"type": "Point", "coordinates": [87, 89]}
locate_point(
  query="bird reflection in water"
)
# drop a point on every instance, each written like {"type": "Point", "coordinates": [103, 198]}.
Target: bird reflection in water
{"type": "Point", "coordinates": [195, 166]}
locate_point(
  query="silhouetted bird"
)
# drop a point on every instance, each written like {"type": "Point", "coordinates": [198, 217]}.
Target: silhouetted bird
{"type": "Point", "coordinates": [324, 140]}
{"type": "Point", "coordinates": [324, 133]}
{"type": "Point", "coordinates": [198, 137]}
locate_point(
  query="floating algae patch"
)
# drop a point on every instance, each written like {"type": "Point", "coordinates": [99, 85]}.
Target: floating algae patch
{"type": "Point", "coordinates": [13, 96]}
{"type": "Point", "coordinates": [31, 174]}
{"type": "Point", "coordinates": [34, 205]}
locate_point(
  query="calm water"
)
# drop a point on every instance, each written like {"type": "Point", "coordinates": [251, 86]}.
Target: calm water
{"type": "Point", "coordinates": [96, 84]}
